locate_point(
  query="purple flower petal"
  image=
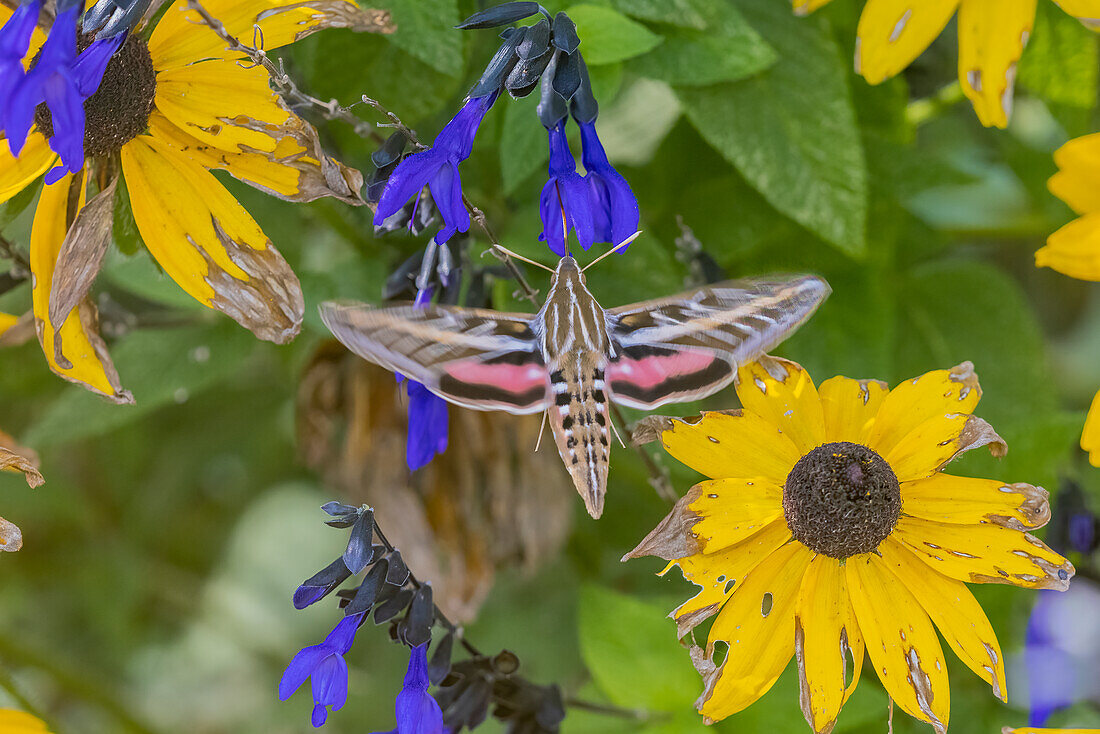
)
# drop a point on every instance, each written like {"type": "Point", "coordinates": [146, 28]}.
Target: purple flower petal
{"type": "Point", "coordinates": [301, 667]}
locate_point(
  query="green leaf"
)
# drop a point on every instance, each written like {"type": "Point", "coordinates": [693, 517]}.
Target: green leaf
{"type": "Point", "coordinates": [523, 146]}
{"type": "Point", "coordinates": [426, 29]}
{"type": "Point", "coordinates": [124, 230]}
{"type": "Point", "coordinates": [683, 13]}
{"type": "Point", "coordinates": [631, 650]}
{"type": "Point", "coordinates": [608, 36]}
{"type": "Point", "coordinates": [728, 50]}
{"type": "Point", "coordinates": [15, 206]}
{"type": "Point", "coordinates": [160, 367]}
{"type": "Point", "coordinates": [791, 131]}
{"type": "Point", "coordinates": [1060, 62]}
{"type": "Point", "coordinates": [633, 126]}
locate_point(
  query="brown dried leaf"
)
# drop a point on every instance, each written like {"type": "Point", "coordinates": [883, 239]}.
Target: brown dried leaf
{"type": "Point", "coordinates": [11, 537]}
{"type": "Point", "coordinates": [489, 502]}
{"type": "Point", "coordinates": [339, 14]}
{"type": "Point", "coordinates": [672, 539]}
{"type": "Point", "coordinates": [15, 461]}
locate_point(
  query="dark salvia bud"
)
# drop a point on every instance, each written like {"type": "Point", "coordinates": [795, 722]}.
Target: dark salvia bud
{"type": "Point", "coordinates": [338, 508]}
{"type": "Point", "coordinates": [418, 623]}
{"type": "Point", "coordinates": [500, 65]}
{"type": "Point", "coordinates": [551, 712]}
{"type": "Point", "coordinates": [398, 572]}
{"type": "Point", "coordinates": [525, 74]}
{"type": "Point", "coordinates": [393, 606]}
{"type": "Point", "coordinates": [499, 15]}
{"type": "Point", "coordinates": [111, 18]}
{"type": "Point", "coordinates": [583, 106]}
{"type": "Point", "coordinates": [319, 585]}
{"type": "Point", "coordinates": [552, 107]}
{"type": "Point", "coordinates": [401, 283]}
{"type": "Point", "coordinates": [471, 706]}
{"type": "Point", "coordinates": [564, 33]}
{"type": "Point", "coordinates": [505, 662]}
{"type": "Point", "coordinates": [536, 41]}
{"type": "Point", "coordinates": [440, 664]}
{"type": "Point", "coordinates": [567, 77]}
{"type": "Point", "coordinates": [390, 151]}
{"type": "Point", "coordinates": [359, 551]}
{"type": "Point", "coordinates": [367, 593]}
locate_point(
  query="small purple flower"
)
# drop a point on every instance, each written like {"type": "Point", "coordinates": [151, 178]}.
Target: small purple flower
{"type": "Point", "coordinates": [428, 423]}
{"type": "Point", "coordinates": [15, 39]}
{"type": "Point", "coordinates": [417, 712]}
{"type": "Point", "coordinates": [437, 167]}
{"type": "Point", "coordinates": [566, 200]}
{"type": "Point", "coordinates": [616, 211]}
{"type": "Point", "coordinates": [324, 664]}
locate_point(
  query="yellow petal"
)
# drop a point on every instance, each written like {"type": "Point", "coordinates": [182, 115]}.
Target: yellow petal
{"type": "Point", "coordinates": [75, 351]}
{"type": "Point", "coordinates": [782, 393]}
{"type": "Point", "coordinates": [805, 7]}
{"type": "Point", "coordinates": [208, 243]}
{"type": "Point", "coordinates": [222, 104]}
{"type": "Point", "coordinates": [951, 499]}
{"type": "Point", "coordinates": [892, 33]}
{"type": "Point", "coordinates": [731, 445]}
{"type": "Point", "coordinates": [718, 574]}
{"type": "Point", "coordinates": [20, 722]}
{"type": "Point", "coordinates": [295, 170]}
{"type": "Point", "coordinates": [954, 611]}
{"type": "Point", "coordinates": [983, 554]}
{"type": "Point", "coordinates": [181, 37]}
{"type": "Point", "coordinates": [17, 174]}
{"type": "Point", "coordinates": [908, 406]}
{"type": "Point", "coordinates": [1088, 12]}
{"type": "Point", "coordinates": [900, 640]}
{"type": "Point", "coordinates": [1077, 181]}
{"type": "Point", "coordinates": [826, 637]}
{"type": "Point", "coordinates": [6, 322]}
{"type": "Point", "coordinates": [732, 510]}
{"type": "Point", "coordinates": [1090, 436]}
{"type": "Point", "coordinates": [758, 625]}
{"type": "Point", "coordinates": [1074, 250]}
{"type": "Point", "coordinates": [850, 407]}
{"type": "Point", "coordinates": [991, 40]}
{"type": "Point", "coordinates": [934, 443]}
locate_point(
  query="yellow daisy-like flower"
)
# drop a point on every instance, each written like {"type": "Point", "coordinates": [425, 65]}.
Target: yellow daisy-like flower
{"type": "Point", "coordinates": [168, 111]}
{"type": "Point", "coordinates": [828, 529]}
{"type": "Point", "coordinates": [1074, 250]}
{"type": "Point", "coordinates": [13, 721]}
{"type": "Point", "coordinates": [992, 36]}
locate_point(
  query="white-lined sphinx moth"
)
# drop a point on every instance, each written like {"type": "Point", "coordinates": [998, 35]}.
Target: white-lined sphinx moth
{"type": "Point", "coordinates": [571, 357]}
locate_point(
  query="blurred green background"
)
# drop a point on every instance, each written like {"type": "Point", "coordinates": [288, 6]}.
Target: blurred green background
{"type": "Point", "coordinates": [153, 590]}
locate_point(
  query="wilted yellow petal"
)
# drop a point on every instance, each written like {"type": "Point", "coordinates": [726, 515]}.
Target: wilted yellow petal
{"type": "Point", "coordinates": [758, 625]}
{"type": "Point", "coordinates": [805, 7]}
{"type": "Point", "coordinates": [892, 33]}
{"type": "Point", "coordinates": [730, 445]}
{"type": "Point", "coordinates": [946, 498]}
{"type": "Point", "coordinates": [1077, 181]}
{"type": "Point", "coordinates": [954, 611]}
{"type": "Point", "coordinates": [991, 40]}
{"type": "Point", "coordinates": [983, 554]}
{"type": "Point", "coordinates": [850, 407]}
{"type": "Point", "coordinates": [81, 356]}
{"type": "Point", "coordinates": [782, 393]}
{"type": "Point", "coordinates": [181, 37]}
{"type": "Point", "coordinates": [1088, 12]}
{"type": "Point", "coordinates": [826, 637]}
{"type": "Point", "coordinates": [1074, 250]}
{"type": "Point", "coordinates": [900, 640]}
{"type": "Point", "coordinates": [1090, 436]}
{"type": "Point", "coordinates": [208, 243]}
{"type": "Point", "coordinates": [34, 160]}
{"type": "Point", "coordinates": [718, 574]}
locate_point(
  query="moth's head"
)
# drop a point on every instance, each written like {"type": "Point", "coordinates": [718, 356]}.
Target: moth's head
{"type": "Point", "coordinates": [568, 270]}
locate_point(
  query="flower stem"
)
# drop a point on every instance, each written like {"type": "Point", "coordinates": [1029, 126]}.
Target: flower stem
{"type": "Point", "coordinates": [923, 110]}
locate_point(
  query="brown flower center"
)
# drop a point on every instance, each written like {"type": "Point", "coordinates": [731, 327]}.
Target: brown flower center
{"type": "Point", "coordinates": [119, 110]}
{"type": "Point", "coordinates": [841, 499]}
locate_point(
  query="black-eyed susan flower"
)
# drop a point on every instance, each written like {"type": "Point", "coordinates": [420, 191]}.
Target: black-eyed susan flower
{"type": "Point", "coordinates": [828, 529]}
{"type": "Point", "coordinates": [170, 108]}
{"type": "Point", "coordinates": [992, 36]}
{"type": "Point", "coordinates": [1074, 250]}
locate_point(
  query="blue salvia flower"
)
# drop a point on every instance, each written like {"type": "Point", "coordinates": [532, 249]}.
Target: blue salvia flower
{"type": "Point", "coordinates": [15, 39]}
{"type": "Point", "coordinates": [417, 712]}
{"type": "Point", "coordinates": [615, 208]}
{"type": "Point", "coordinates": [566, 201]}
{"type": "Point", "coordinates": [428, 422]}
{"type": "Point", "coordinates": [325, 666]}
{"type": "Point", "coordinates": [437, 168]}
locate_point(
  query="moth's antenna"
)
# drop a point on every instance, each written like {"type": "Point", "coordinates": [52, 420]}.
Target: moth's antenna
{"type": "Point", "coordinates": [542, 428]}
{"type": "Point", "coordinates": [509, 253]}
{"type": "Point", "coordinates": [614, 249]}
